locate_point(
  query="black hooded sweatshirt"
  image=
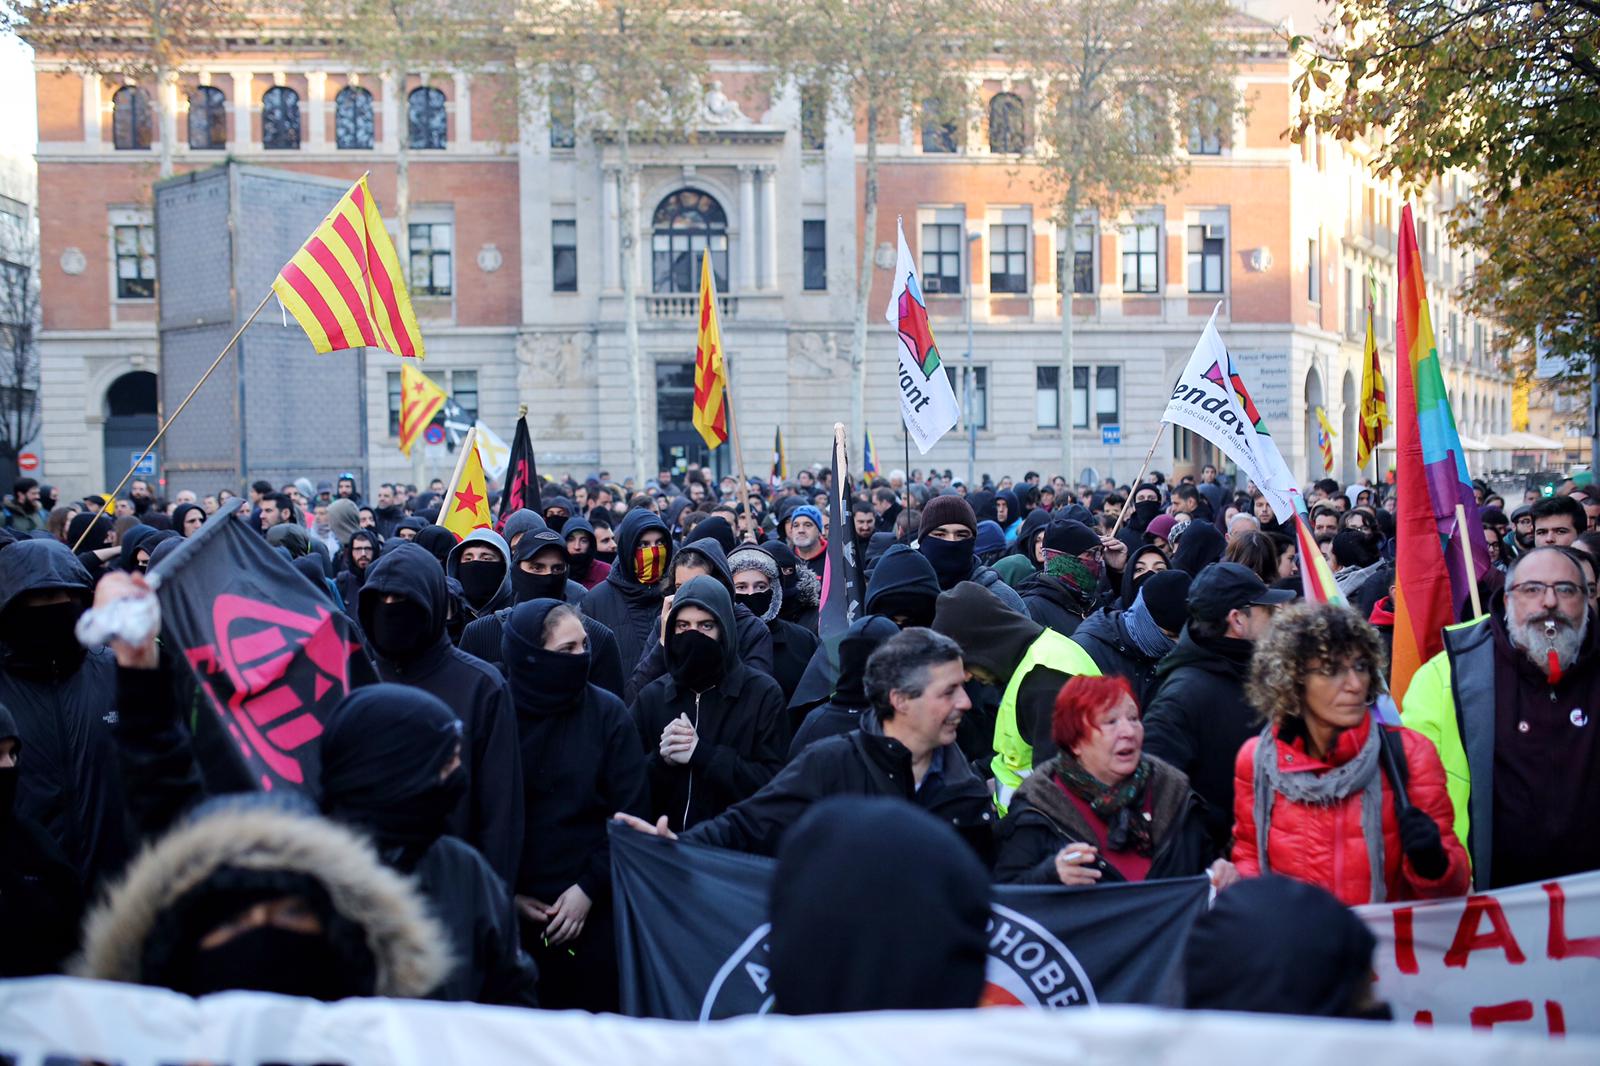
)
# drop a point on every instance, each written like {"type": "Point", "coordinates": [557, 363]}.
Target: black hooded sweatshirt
{"type": "Point", "coordinates": [382, 754]}
{"type": "Point", "coordinates": [842, 714]}
{"type": "Point", "coordinates": [63, 699]}
{"type": "Point", "coordinates": [630, 610]}
{"type": "Point", "coordinates": [491, 817]}
{"type": "Point", "coordinates": [482, 637]}
{"type": "Point", "coordinates": [41, 898]}
{"type": "Point", "coordinates": [755, 639]}
{"type": "Point", "coordinates": [743, 729]}
{"type": "Point", "coordinates": [851, 875]}
{"type": "Point", "coordinates": [1199, 546]}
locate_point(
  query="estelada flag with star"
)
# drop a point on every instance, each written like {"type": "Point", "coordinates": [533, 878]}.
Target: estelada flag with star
{"type": "Point", "coordinates": [345, 286]}
{"type": "Point", "coordinates": [466, 503]}
{"type": "Point", "coordinates": [710, 375]}
{"type": "Point", "coordinates": [272, 655]}
{"type": "Point", "coordinates": [420, 400]}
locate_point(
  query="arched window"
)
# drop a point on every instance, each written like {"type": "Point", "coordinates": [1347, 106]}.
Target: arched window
{"type": "Point", "coordinates": [687, 223]}
{"type": "Point", "coordinates": [1008, 133]}
{"type": "Point", "coordinates": [352, 118]}
{"type": "Point", "coordinates": [939, 133]}
{"type": "Point", "coordinates": [428, 123]}
{"type": "Point", "coordinates": [1149, 131]}
{"type": "Point", "coordinates": [280, 118]}
{"type": "Point", "coordinates": [130, 118]}
{"type": "Point", "coordinates": [208, 118]}
{"type": "Point", "coordinates": [563, 117]}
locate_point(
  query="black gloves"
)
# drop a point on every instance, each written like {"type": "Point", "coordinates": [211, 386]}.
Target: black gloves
{"type": "Point", "coordinates": [1420, 840]}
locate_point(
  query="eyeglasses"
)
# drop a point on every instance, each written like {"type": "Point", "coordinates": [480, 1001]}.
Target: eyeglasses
{"type": "Point", "coordinates": [1533, 591]}
{"type": "Point", "coordinates": [1359, 667]}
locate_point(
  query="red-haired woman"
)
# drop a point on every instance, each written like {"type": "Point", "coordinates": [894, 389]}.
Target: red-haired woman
{"type": "Point", "coordinates": [1102, 810]}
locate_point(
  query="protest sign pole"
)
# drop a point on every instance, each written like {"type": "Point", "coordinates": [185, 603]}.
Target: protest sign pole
{"type": "Point", "coordinates": [162, 432]}
{"type": "Point", "coordinates": [738, 451]}
{"type": "Point", "coordinates": [469, 442]}
{"type": "Point", "coordinates": [1466, 551]}
{"type": "Point", "coordinates": [1127, 505]}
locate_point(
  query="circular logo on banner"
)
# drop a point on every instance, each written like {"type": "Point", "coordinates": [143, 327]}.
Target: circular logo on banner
{"type": "Point", "coordinates": [1029, 967]}
{"type": "Point", "coordinates": [27, 461]}
{"type": "Point", "coordinates": [434, 434]}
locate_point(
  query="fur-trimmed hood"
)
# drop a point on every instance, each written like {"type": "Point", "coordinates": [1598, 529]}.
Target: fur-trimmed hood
{"type": "Point", "coordinates": [407, 944]}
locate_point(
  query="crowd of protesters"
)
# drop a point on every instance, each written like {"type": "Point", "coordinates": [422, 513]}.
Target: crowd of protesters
{"type": "Point", "coordinates": [1043, 684]}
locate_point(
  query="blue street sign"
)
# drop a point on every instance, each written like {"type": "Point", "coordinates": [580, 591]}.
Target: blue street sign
{"type": "Point", "coordinates": [1111, 434]}
{"type": "Point", "coordinates": [146, 468]}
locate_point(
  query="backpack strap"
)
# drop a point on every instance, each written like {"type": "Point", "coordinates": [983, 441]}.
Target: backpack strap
{"type": "Point", "coordinates": [1392, 755]}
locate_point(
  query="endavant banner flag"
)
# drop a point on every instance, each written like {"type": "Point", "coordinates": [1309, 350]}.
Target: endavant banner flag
{"type": "Point", "coordinates": [692, 935]}
{"type": "Point", "coordinates": [927, 402]}
{"type": "Point", "coordinates": [270, 653]}
{"type": "Point", "coordinates": [1210, 399]}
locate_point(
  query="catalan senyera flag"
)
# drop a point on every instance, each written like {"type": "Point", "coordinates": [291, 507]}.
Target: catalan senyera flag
{"type": "Point", "coordinates": [466, 504]}
{"type": "Point", "coordinates": [420, 400]}
{"type": "Point", "coordinates": [1431, 576]}
{"type": "Point", "coordinates": [1316, 577]}
{"type": "Point", "coordinates": [1325, 435]}
{"type": "Point", "coordinates": [780, 459]}
{"type": "Point", "coordinates": [710, 375]}
{"type": "Point", "coordinates": [1374, 415]}
{"type": "Point", "coordinates": [345, 287]}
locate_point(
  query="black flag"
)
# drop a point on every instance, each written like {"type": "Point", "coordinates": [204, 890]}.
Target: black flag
{"type": "Point", "coordinates": [841, 575]}
{"type": "Point", "coordinates": [692, 935]}
{"type": "Point", "coordinates": [522, 477]}
{"type": "Point", "coordinates": [271, 653]}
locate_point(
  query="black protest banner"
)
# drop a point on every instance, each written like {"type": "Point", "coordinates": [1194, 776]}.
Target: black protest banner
{"type": "Point", "coordinates": [841, 581]}
{"type": "Point", "coordinates": [269, 651]}
{"type": "Point", "coordinates": [522, 477]}
{"type": "Point", "coordinates": [692, 935]}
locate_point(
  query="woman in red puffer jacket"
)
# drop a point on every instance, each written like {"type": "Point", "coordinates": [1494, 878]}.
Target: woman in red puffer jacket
{"type": "Point", "coordinates": [1313, 798]}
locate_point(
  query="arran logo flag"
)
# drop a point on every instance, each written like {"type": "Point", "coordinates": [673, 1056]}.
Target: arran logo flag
{"type": "Point", "coordinates": [345, 287]}
{"type": "Point", "coordinates": [1210, 398]}
{"type": "Point", "coordinates": [420, 401]}
{"type": "Point", "coordinates": [710, 375]}
{"type": "Point", "coordinates": [466, 503]}
{"type": "Point", "coordinates": [270, 653]}
{"type": "Point", "coordinates": [521, 476]}
{"type": "Point", "coordinates": [927, 402]}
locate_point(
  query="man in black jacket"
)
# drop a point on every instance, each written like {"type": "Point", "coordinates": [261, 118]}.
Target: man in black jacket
{"type": "Point", "coordinates": [1199, 717]}
{"type": "Point", "coordinates": [713, 730]}
{"type": "Point", "coordinates": [628, 601]}
{"type": "Point", "coordinates": [402, 611]}
{"type": "Point", "coordinates": [41, 898]}
{"type": "Point", "coordinates": [905, 748]}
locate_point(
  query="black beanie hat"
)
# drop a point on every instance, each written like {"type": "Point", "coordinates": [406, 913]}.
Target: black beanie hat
{"type": "Point", "coordinates": [1166, 597]}
{"type": "Point", "coordinates": [1066, 535]}
{"type": "Point", "coordinates": [945, 511]}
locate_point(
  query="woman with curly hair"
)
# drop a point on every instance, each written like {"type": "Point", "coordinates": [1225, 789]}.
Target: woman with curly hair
{"type": "Point", "coordinates": [1315, 794]}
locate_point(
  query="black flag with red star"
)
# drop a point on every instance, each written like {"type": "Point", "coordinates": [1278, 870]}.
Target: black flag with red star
{"type": "Point", "coordinates": [270, 651]}
{"type": "Point", "coordinates": [522, 477]}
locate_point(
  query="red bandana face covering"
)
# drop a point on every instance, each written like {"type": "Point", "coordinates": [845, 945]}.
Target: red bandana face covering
{"type": "Point", "coordinates": [650, 563]}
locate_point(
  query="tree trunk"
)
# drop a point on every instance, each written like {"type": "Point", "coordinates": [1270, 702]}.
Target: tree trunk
{"type": "Point", "coordinates": [628, 224]}
{"type": "Point", "coordinates": [858, 339]}
{"type": "Point", "coordinates": [1065, 385]}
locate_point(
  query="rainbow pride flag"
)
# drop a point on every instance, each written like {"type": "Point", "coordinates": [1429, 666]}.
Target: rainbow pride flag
{"type": "Point", "coordinates": [1316, 577]}
{"type": "Point", "coordinates": [1431, 577]}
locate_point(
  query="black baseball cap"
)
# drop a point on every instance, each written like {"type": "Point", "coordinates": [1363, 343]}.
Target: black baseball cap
{"type": "Point", "coordinates": [1224, 587]}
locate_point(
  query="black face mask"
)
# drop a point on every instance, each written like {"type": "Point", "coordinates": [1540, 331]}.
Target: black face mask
{"type": "Point", "coordinates": [400, 630]}
{"type": "Point", "coordinates": [548, 681]}
{"type": "Point", "coordinates": [607, 557]}
{"type": "Point", "coordinates": [580, 562]}
{"type": "Point", "coordinates": [43, 634]}
{"type": "Point", "coordinates": [951, 559]}
{"type": "Point", "coordinates": [1145, 512]}
{"type": "Point", "coordinates": [694, 660]}
{"type": "Point", "coordinates": [528, 586]}
{"type": "Point", "coordinates": [480, 580]}
{"type": "Point", "coordinates": [270, 959]}
{"type": "Point", "coordinates": [758, 603]}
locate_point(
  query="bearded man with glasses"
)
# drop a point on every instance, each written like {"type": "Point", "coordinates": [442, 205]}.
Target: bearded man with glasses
{"type": "Point", "coordinates": [1513, 705]}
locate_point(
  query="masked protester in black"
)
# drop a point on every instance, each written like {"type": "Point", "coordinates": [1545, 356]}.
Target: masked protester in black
{"type": "Point", "coordinates": [628, 603]}
{"type": "Point", "coordinates": [485, 583]}
{"type": "Point", "coordinates": [41, 898]}
{"type": "Point", "coordinates": [482, 637]}
{"type": "Point", "coordinates": [850, 874]}
{"type": "Point", "coordinates": [802, 590]}
{"type": "Point", "coordinates": [842, 714]}
{"type": "Point", "coordinates": [392, 765]}
{"type": "Point", "coordinates": [402, 610]}
{"type": "Point", "coordinates": [580, 764]}
{"type": "Point", "coordinates": [729, 730]}
{"type": "Point", "coordinates": [62, 697]}
{"type": "Point", "coordinates": [754, 639]}
{"type": "Point", "coordinates": [792, 645]}
{"type": "Point", "coordinates": [955, 561]}
{"type": "Point", "coordinates": [95, 531]}
{"type": "Point", "coordinates": [436, 541]}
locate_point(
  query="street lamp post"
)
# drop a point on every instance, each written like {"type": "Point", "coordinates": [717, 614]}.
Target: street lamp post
{"type": "Point", "coordinates": [971, 375]}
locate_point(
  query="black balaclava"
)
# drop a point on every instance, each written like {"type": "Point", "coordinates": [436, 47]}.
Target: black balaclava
{"type": "Point", "coordinates": [42, 635]}
{"type": "Point", "coordinates": [399, 630]}
{"type": "Point", "coordinates": [542, 682]}
{"type": "Point", "coordinates": [526, 586]}
{"type": "Point", "coordinates": [582, 562]}
{"type": "Point", "coordinates": [1130, 584]}
{"type": "Point", "coordinates": [694, 660]}
{"type": "Point", "coordinates": [859, 642]}
{"type": "Point", "coordinates": [99, 537]}
{"type": "Point", "coordinates": [951, 559]}
{"type": "Point", "coordinates": [381, 757]}
{"type": "Point", "coordinates": [697, 662]}
{"type": "Point", "coordinates": [480, 580]}
{"type": "Point", "coordinates": [436, 541]}
{"type": "Point", "coordinates": [1144, 512]}
{"type": "Point", "coordinates": [786, 559]}
{"type": "Point", "coordinates": [851, 874]}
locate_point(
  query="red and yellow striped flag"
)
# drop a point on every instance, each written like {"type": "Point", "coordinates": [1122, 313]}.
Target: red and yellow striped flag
{"type": "Point", "coordinates": [1316, 576]}
{"type": "Point", "coordinates": [710, 377]}
{"type": "Point", "coordinates": [420, 400]}
{"type": "Point", "coordinates": [466, 503]}
{"type": "Point", "coordinates": [345, 287]}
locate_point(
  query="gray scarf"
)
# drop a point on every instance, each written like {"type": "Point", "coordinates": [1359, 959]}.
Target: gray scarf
{"type": "Point", "coordinates": [1361, 773]}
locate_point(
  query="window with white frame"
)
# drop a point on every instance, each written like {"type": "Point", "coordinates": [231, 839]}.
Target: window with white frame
{"type": "Point", "coordinates": [1008, 251]}
{"type": "Point", "coordinates": [1314, 270]}
{"type": "Point", "coordinates": [979, 411]}
{"type": "Point", "coordinates": [1106, 395]}
{"type": "Point", "coordinates": [1141, 254]}
{"type": "Point", "coordinates": [133, 252]}
{"type": "Point", "coordinates": [432, 252]}
{"type": "Point", "coordinates": [564, 255]}
{"type": "Point", "coordinates": [1207, 251]}
{"type": "Point", "coordinates": [1080, 267]}
{"type": "Point", "coordinates": [1047, 397]}
{"type": "Point", "coordinates": [942, 250]}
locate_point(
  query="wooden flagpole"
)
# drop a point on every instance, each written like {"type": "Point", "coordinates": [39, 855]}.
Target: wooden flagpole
{"type": "Point", "coordinates": [469, 442]}
{"type": "Point", "coordinates": [162, 432]}
{"type": "Point", "coordinates": [1466, 551]}
{"type": "Point", "coordinates": [1127, 505]}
